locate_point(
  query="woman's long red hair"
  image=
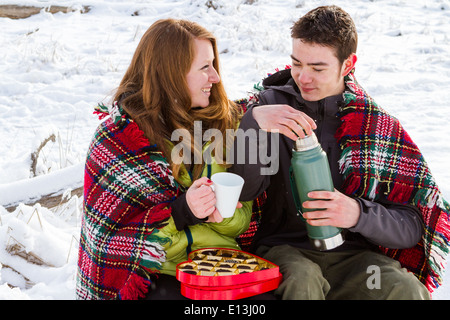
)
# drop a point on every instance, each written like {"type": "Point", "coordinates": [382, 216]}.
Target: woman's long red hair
{"type": "Point", "coordinates": [154, 90]}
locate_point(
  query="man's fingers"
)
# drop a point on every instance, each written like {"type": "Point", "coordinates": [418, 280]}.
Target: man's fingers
{"type": "Point", "coordinates": [288, 133]}
{"type": "Point", "coordinates": [322, 194]}
{"type": "Point", "coordinates": [317, 204]}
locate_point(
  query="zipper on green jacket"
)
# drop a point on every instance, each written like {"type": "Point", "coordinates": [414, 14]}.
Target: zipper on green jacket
{"type": "Point", "coordinates": [187, 231]}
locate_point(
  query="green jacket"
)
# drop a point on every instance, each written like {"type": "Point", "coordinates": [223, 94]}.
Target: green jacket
{"type": "Point", "coordinates": [202, 235]}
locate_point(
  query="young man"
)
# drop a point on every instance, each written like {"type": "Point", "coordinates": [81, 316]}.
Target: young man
{"type": "Point", "coordinates": [374, 201]}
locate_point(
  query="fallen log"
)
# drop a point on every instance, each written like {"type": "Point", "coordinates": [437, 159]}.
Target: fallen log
{"type": "Point", "coordinates": [49, 201]}
{"type": "Point", "coordinates": [22, 12]}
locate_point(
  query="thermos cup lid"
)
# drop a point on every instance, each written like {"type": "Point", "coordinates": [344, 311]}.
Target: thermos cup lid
{"type": "Point", "coordinates": [306, 143]}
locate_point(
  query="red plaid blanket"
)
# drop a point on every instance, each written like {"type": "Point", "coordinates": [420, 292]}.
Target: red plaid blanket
{"type": "Point", "coordinates": [379, 156]}
{"type": "Point", "coordinates": [127, 190]}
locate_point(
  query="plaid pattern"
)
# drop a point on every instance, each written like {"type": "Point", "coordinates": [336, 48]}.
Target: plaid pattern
{"type": "Point", "coordinates": [245, 239]}
{"type": "Point", "coordinates": [127, 190]}
{"type": "Point", "coordinates": [378, 156]}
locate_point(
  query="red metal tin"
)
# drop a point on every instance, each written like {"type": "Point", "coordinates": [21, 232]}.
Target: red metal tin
{"type": "Point", "coordinates": [233, 292]}
{"type": "Point", "coordinates": [221, 273]}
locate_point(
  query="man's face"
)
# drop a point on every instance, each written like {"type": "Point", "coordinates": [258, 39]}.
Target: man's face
{"type": "Point", "coordinates": [317, 71]}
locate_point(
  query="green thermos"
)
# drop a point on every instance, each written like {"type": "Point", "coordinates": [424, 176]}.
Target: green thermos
{"type": "Point", "coordinates": [310, 171]}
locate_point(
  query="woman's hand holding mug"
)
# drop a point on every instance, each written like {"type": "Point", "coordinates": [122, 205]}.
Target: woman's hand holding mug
{"type": "Point", "coordinates": [203, 196]}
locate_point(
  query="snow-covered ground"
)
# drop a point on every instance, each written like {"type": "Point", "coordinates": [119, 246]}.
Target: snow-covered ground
{"type": "Point", "coordinates": [55, 68]}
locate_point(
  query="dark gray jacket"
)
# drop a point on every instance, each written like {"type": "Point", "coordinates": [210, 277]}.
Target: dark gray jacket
{"type": "Point", "coordinates": [381, 223]}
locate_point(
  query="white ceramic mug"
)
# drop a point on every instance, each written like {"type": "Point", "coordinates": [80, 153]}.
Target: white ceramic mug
{"type": "Point", "coordinates": [227, 187]}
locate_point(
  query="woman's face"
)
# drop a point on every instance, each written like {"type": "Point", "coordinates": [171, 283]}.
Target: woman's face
{"type": "Point", "coordinates": [202, 74]}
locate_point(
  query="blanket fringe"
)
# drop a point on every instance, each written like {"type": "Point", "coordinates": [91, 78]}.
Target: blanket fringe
{"type": "Point", "coordinates": [136, 287]}
{"type": "Point", "coordinates": [135, 136]}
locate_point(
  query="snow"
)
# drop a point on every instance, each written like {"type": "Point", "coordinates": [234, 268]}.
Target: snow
{"type": "Point", "coordinates": [55, 67]}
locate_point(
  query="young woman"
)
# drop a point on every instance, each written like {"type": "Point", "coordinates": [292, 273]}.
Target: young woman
{"type": "Point", "coordinates": [144, 209]}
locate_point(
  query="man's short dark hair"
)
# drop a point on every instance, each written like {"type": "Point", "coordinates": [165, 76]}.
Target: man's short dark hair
{"type": "Point", "coordinates": [329, 26]}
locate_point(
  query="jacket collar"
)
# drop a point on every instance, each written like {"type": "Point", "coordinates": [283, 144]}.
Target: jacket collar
{"type": "Point", "coordinates": [283, 81]}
